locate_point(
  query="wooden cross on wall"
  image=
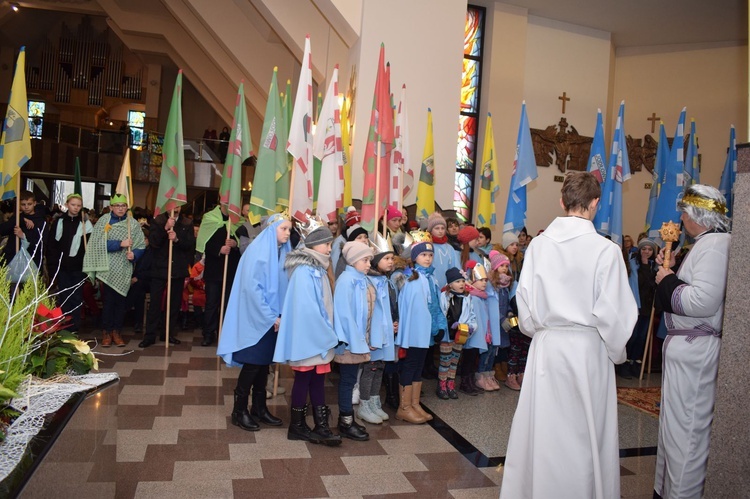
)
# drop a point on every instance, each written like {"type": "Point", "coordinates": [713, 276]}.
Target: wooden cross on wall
{"type": "Point", "coordinates": [564, 98]}
{"type": "Point", "coordinates": [653, 119]}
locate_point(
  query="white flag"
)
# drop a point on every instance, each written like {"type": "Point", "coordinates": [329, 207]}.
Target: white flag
{"type": "Point", "coordinates": [328, 148]}
{"type": "Point", "coordinates": [400, 163]}
{"type": "Point", "coordinates": [300, 144]}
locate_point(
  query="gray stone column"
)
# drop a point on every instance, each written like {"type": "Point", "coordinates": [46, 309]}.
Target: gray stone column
{"type": "Point", "coordinates": [729, 455]}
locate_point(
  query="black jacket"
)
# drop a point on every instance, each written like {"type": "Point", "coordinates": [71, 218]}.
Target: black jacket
{"type": "Point", "coordinates": [59, 251]}
{"type": "Point", "coordinates": [183, 248]}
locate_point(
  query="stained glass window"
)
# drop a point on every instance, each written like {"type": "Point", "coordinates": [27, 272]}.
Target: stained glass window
{"type": "Point", "coordinates": [136, 121]}
{"type": "Point", "coordinates": [466, 150]}
{"type": "Point", "coordinates": [36, 118]}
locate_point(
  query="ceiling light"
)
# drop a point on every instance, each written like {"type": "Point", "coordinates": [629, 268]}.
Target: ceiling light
{"type": "Point", "coordinates": [14, 7]}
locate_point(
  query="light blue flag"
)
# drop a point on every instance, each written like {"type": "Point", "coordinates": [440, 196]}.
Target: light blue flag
{"type": "Point", "coordinates": [672, 187]}
{"type": "Point", "coordinates": [729, 175]}
{"type": "Point", "coordinates": [524, 171]}
{"type": "Point", "coordinates": [598, 167]}
{"type": "Point", "coordinates": [619, 163]}
{"type": "Point", "coordinates": [692, 172]}
{"type": "Point", "coordinates": [660, 166]}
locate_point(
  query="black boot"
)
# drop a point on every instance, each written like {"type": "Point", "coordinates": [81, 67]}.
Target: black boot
{"type": "Point", "coordinates": [240, 415]}
{"type": "Point", "coordinates": [322, 433]}
{"type": "Point", "coordinates": [466, 387]}
{"type": "Point", "coordinates": [391, 390]}
{"type": "Point", "coordinates": [298, 429]}
{"type": "Point", "coordinates": [260, 411]}
{"type": "Point", "coordinates": [473, 382]}
{"type": "Point", "coordinates": [350, 429]}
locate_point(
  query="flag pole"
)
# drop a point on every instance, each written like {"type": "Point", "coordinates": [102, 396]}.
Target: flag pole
{"type": "Point", "coordinates": [224, 282]}
{"type": "Point", "coordinates": [169, 283]}
{"type": "Point", "coordinates": [401, 188]}
{"type": "Point", "coordinates": [18, 208]}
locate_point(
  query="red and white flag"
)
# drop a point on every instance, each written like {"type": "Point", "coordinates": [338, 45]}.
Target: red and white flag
{"type": "Point", "coordinates": [328, 148]}
{"type": "Point", "coordinates": [300, 144]}
{"type": "Point", "coordinates": [401, 186]}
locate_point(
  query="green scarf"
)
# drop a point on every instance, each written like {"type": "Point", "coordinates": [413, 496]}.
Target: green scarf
{"type": "Point", "coordinates": [113, 269]}
{"type": "Point", "coordinates": [211, 222]}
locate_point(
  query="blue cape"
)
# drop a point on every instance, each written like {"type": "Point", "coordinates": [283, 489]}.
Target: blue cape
{"type": "Point", "coordinates": [257, 294]}
{"type": "Point", "coordinates": [415, 319]}
{"type": "Point", "coordinates": [482, 312]}
{"type": "Point", "coordinates": [499, 307]}
{"type": "Point", "coordinates": [444, 258]}
{"type": "Point", "coordinates": [306, 330]}
{"type": "Point", "coordinates": [381, 327]}
{"type": "Point", "coordinates": [350, 311]}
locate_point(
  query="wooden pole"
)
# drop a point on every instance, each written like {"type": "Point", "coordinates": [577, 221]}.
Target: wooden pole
{"type": "Point", "coordinates": [224, 281]}
{"type": "Point", "coordinates": [169, 284]}
{"type": "Point", "coordinates": [401, 189]}
{"type": "Point", "coordinates": [18, 208]}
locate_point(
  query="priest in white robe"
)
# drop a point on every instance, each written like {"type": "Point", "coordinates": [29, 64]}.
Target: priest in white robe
{"type": "Point", "coordinates": [693, 300]}
{"type": "Point", "coordinates": [574, 301]}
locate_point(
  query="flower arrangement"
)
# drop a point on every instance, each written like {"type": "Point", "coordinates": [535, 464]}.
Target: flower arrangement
{"type": "Point", "coordinates": [33, 341]}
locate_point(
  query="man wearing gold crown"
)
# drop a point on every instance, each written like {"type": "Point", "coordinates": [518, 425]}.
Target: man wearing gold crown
{"type": "Point", "coordinates": [693, 302]}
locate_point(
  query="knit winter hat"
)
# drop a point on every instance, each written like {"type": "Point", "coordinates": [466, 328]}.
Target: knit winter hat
{"type": "Point", "coordinates": [354, 231]}
{"type": "Point", "coordinates": [467, 234]}
{"type": "Point", "coordinates": [354, 251]}
{"type": "Point", "coordinates": [394, 213]}
{"type": "Point", "coordinates": [352, 216]}
{"type": "Point", "coordinates": [509, 238]}
{"type": "Point", "coordinates": [453, 274]}
{"type": "Point", "coordinates": [648, 242]}
{"type": "Point", "coordinates": [497, 259]}
{"type": "Point", "coordinates": [435, 220]}
{"type": "Point", "coordinates": [321, 235]}
{"type": "Point", "coordinates": [423, 247]}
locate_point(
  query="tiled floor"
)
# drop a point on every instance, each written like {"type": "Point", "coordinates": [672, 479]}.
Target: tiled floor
{"type": "Point", "coordinates": [164, 431]}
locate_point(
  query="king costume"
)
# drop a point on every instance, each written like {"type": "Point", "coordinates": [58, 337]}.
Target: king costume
{"type": "Point", "coordinates": [574, 300]}
{"type": "Point", "coordinates": [693, 302]}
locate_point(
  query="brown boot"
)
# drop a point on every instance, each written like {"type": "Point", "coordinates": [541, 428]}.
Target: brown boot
{"type": "Point", "coordinates": [405, 411]}
{"type": "Point", "coordinates": [106, 339]}
{"type": "Point", "coordinates": [117, 339]}
{"type": "Point", "coordinates": [415, 405]}
{"type": "Point", "coordinates": [501, 371]}
{"type": "Point", "coordinates": [512, 382]}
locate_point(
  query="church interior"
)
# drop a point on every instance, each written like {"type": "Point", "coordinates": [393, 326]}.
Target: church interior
{"type": "Point", "coordinates": [101, 73]}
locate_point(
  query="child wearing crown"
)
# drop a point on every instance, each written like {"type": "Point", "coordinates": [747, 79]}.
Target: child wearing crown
{"type": "Point", "coordinates": [306, 338]}
{"type": "Point", "coordinates": [420, 320]}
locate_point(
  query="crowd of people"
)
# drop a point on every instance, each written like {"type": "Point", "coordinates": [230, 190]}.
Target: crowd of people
{"type": "Point", "coordinates": [434, 299]}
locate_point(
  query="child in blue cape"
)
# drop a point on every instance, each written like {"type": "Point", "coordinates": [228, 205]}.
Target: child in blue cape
{"type": "Point", "coordinates": [354, 302]}
{"type": "Point", "coordinates": [248, 334]}
{"type": "Point", "coordinates": [306, 337]}
{"type": "Point", "coordinates": [483, 339]}
{"type": "Point", "coordinates": [382, 333]}
{"type": "Point", "coordinates": [420, 320]}
{"type": "Point", "coordinates": [500, 312]}
{"type": "Point", "coordinates": [456, 305]}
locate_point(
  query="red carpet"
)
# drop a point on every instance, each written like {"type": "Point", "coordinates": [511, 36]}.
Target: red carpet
{"type": "Point", "coordinates": [645, 399]}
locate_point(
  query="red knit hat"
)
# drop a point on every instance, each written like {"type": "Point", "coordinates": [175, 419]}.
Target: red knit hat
{"type": "Point", "coordinates": [352, 216]}
{"type": "Point", "coordinates": [467, 234]}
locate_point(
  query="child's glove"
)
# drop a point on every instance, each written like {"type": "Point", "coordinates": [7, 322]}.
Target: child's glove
{"type": "Point", "coordinates": [506, 325]}
{"type": "Point", "coordinates": [454, 325]}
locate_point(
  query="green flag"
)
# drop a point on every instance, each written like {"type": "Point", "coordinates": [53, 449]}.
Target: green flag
{"type": "Point", "coordinates": [272, 162]}
{"type": "Point", "coordinates": [283, 181]}
{"type": "Point", "coordinates": [77, 189]}
{"type": "Point", "coordinates": [240, 148]}
{"type": "Point", "coordinates": [172, 188]}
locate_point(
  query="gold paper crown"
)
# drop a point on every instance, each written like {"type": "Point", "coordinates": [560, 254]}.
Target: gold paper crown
{"type": "Point", "coordinates": [381, 244]}
{"type": "Point", "coordinates": [706, 204]}
{"type": "Point", "coordinates": [421, 236]}
{"type": "Point", "coordinates": [284, 215]}
{"type": "Point", "coordinates": [478, 272]}
{"type": "Point", "coordinates": [313, 222]}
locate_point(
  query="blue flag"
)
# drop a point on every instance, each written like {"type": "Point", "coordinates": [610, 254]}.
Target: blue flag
{"type": "Point", "coordinates": [524, 171]}
{"type": "Point", "coordinates": [692, 172]}
{"type": "Point", "coordinates": [660, 166]}
{"type": "Point", "coordinates": [619, 163]}
{"type": "Point", "coordinates": [598, 167]}
{"type": "Point", "coordinates": [672, 187]}
{"type": "Point", "coordinates": [729, 175]}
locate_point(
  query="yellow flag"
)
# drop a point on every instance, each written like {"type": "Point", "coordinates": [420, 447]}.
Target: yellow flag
{"type": "Point", "coordinates": [125, 180]}
{"type": "Point", "coordinates": [426, 187]}
{"type": "Point", "coordinates": [15, 142]}
{"type": "Point", "coordinates": [488, 184]}
{"type": "Point", "coordinates": [347, 150]}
